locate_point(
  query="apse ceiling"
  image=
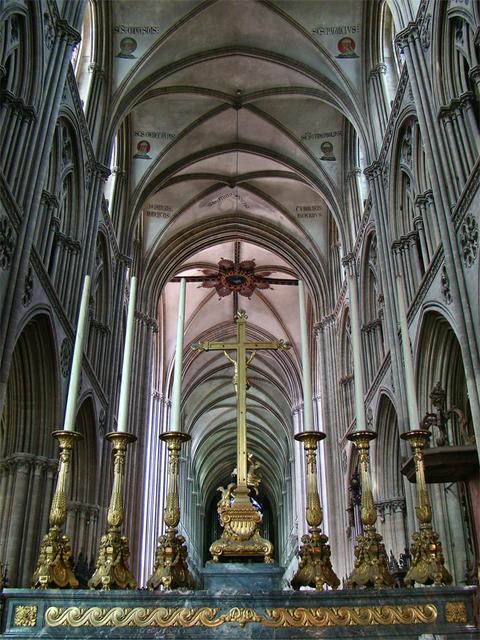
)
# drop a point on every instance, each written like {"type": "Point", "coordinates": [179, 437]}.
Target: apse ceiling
{"type": "Point", "coordinates": [235, 115]}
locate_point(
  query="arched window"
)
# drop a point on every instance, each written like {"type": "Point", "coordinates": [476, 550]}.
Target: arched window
{"type": "Point", "coordinates": [414, 226]}
{"type": "Point", "coordinates": [98, 338]}
{"type": "Point", "coordinates": [335, 257]}
{"type": "Point", "coordinates": [460, 115]}
{"type": "Point", "coordinates": [346, 372]}
{"type": "Point", "coordinates": [60, 221]}
{"type": "Point", "coordinates": [109, 188]}
{"type": "Point", "coordinates": [463, 56]}
{"type": "Point", "coordinates": [17, 79]}
{"type": "Point", "coordinates": [82, 54]}
{"type": "Point", "coordinates": [374, 350]}
{"type": "Point", "coordinates": [389, 54]}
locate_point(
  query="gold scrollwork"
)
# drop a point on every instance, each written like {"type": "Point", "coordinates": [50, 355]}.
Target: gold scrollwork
{"type": "Point", "coordinates": [456, 612]}
{"type": "Point", "coordinates": [351, 616]}
{"type": "Point", "coordinates": [25, 616]}
{"type": "Point", "coordinates": [273, 618]}
{"type": "Point", "coordinates": [136, 617]}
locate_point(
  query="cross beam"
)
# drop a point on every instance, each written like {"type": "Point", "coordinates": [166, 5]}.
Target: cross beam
{"type": "Point", "coordinates": [241, 346]}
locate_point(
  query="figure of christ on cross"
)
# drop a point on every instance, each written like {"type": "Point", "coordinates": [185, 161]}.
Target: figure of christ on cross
{"type": "Point", "coordinates": [240, 362]}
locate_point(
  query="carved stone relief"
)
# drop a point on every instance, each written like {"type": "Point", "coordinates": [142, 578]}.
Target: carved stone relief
{"type": "Point", "coordinates": [7, 243]}
{"type": "Point", "coordinates": [469, 240]}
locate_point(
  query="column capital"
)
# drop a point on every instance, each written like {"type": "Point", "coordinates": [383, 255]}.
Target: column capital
{"type": "Point", "coordinates": [98, 169]}
{"type": "Point", "coordinates": [66, 31]}
{"type": "Point", "coordinates": [147, 321]}
{"type": "Point", "coordinates": [373, 171]}
{"type": "Point", "coordinates": [96, 70]}
{"type": "Point", "coordinates": [420, 200]}
{"type": "Point", "coordinates": [377, 70]}
{"type": "Point", "coordinates": [404, 38]}
{"type": "Point", "coordinates": [124, 260]}
{"type": "Point", "coordinates": [355, 172]}
{"type": "Point", "coordinates": [466, 99]}
{"type": "Point", "coordinates": [474, 72]}
{"type": "Point", "coordinates": [326, 321]}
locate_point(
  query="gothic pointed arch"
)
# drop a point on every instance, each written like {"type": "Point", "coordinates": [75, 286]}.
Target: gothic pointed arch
{"type": "Point", "coordinates": [27, 456]}
{"type": "Point", "coordinates": [372, 302]}
{"type": "Point", "coordinates": [443, 400]}
{"type": "Point", "coordinates": [390, 495]}
{"type": "Point", "coordinates": [345, 369]}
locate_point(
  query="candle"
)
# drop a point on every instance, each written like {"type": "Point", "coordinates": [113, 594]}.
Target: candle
{"type": "Point", "coordinates": [307, 383]}
{"type": "Point", "coordinates": [407, 357]}
{"type": "Point", "coordinates": [70, 411]}
{"type": "Point", "coordinates": [177, 375]}
{"type": "Point", "coordinates": [357, 354]}
{"type": "Point", "coordinates": [127, 359]}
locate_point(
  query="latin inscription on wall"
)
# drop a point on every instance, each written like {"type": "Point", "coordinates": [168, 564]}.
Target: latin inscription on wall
{"type": "Point", "coordinates": [158, 211]}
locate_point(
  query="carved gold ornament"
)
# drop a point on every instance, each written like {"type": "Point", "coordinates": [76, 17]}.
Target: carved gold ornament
{"type": "Point", "coordinates": [209, 617]}
{"type": "Point", "coordinates": [25, 616]}
{"type": "Point", "coordinates": [456, 612]}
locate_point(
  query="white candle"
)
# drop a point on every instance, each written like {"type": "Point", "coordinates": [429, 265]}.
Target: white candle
{"type": "Point", "coordinates": [307, 382]}
{"type": "Point", "coordinates": [127, 359]}
{"type": "Point", "coordinates": [357, 354]}
{"type": "Point", "coordinates": [407, 357]}
{"type": "Point", "coordinates": [70, 411]}
{"type": "Point", "coordinates": [177, 375]}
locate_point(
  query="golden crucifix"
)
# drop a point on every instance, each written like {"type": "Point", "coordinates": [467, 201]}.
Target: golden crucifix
{"type": "Point", "coordinates": [242, 360]}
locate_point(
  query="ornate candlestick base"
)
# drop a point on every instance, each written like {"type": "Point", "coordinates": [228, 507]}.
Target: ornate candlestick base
{"type": "Point", "coordinates": [112, 570]}
{"type": "Point", "coordinates": [315, 569]}
{"type": "Point", "coordinates": [170, 569]}
{"type": "Point", "coordinates": [54, 560]}
{"type": "Point", "coordinates": [371, 562]}
{"type": "Point", "coordinates": [428, 563]}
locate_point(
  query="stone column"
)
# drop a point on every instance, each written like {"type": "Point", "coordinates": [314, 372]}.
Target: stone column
{"type": "Point", "coordinates": [18, 534]}
{"type": "Point", "coordinates": [380, 103]}
{"type": "Point", "coordinates": [36, 498]}
{"type": "Point", "coordinates": [352, 180]}
{"type": "Point", "coordinates": [299, 471]}
{"type": "Point", "coordinates": [139, 410]}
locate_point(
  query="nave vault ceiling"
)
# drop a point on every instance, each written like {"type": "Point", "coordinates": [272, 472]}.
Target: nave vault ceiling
{"type": "Point", "coordinates": [234, 117]}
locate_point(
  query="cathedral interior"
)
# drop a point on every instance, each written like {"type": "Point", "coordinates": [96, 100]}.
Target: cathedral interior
{"type": "Point", "coordinates": [247, 151]}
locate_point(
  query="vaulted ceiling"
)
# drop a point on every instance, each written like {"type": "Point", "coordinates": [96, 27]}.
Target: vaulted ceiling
{"type": "Point", "coordinates": [236, 120]}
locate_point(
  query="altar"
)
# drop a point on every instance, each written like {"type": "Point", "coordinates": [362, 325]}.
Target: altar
{"type": "Point", "coordinates": [241, 593]}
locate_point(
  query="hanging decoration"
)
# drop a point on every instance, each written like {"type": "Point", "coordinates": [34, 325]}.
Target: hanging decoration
{"type": "Point", "coordinates": [235, 278]}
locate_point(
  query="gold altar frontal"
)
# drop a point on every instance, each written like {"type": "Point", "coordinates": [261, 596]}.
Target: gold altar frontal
{"type": "Point", "coordinates": [282, 615]}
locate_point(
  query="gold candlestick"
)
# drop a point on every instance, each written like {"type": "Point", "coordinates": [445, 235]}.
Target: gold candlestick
{"type": "Point", "coordinates": [112, 569]}
{"type": "Point", "coordinates": [171, 569]}
{"type": "Point", "coordinates": [371, 562]}
{"type": "Point", "coordinates": [54, 560]}
{"type": "Point", "coordinates": [315, 569]}
{"type": "Point", "coordinates": [428, 563]}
